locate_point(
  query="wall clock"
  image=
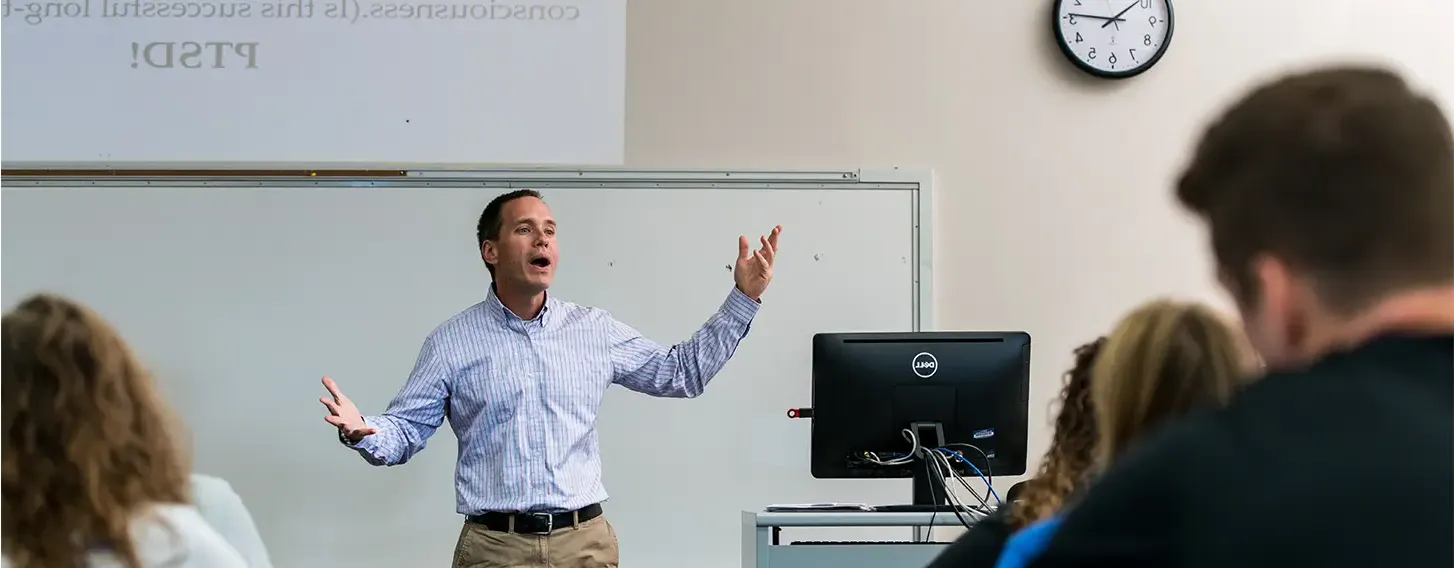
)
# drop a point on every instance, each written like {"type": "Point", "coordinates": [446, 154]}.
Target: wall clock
{"type": "Point", "coordinates": [1113, 39]}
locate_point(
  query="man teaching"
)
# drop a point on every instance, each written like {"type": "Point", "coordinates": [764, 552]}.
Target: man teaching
{"type": "Point", "coordinates": [521, 376]}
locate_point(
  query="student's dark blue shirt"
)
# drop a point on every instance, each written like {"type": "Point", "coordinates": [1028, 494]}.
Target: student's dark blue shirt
{"type": "Point", "coordinates": [1348, 463]}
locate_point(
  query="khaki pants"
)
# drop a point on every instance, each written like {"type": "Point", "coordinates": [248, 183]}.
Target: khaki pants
{"type": "Point", "coordinates": [591, 544]}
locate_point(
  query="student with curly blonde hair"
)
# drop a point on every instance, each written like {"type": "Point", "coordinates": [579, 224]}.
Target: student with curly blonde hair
{"type": "Point", "coordinates": [92, 473]}
{"type": "Point", "coordinates": [1165, 361]}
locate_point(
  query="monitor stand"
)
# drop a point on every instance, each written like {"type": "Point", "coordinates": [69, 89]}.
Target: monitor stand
{"type": "Point", "coordinates": [929, 493]}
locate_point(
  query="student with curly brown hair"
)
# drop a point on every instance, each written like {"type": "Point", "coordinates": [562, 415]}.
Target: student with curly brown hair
{"type": "Point", "coordinates": [92, 473]}
{"type": "Point", "coordinates": [1062, 471]}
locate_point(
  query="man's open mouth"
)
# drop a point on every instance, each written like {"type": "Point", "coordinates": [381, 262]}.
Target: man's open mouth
{"type": "Point", "coordinates": [541, 262]}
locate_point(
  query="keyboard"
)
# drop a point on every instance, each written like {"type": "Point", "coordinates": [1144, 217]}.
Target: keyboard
{"type": "Point", "coordinates": [858, 542]}
{"type": "Point", "coordinates": [921, 509]}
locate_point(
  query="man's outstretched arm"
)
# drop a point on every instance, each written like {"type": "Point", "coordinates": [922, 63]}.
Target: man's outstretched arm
{"type": "Point", "coordinates": [415, 413]}
{"type": "Point", "coordinates": [682, 370]}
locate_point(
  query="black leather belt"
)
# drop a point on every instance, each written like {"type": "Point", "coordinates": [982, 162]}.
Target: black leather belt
{"type": "Point", "coordinates": [535, 523]}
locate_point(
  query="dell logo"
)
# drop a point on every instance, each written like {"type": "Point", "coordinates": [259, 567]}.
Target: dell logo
{"type": "Point", "coordinates": [925, 364]}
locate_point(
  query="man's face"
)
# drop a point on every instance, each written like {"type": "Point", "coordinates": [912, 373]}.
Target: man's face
{"type": "Point", "coordinates": [525, 254]}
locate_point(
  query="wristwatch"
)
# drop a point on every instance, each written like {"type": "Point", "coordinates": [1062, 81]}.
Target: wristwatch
{"type": "Point", "coordinates": [343, 437]}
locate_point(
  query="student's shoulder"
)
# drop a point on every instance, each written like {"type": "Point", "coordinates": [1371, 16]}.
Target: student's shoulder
{"type": "Point", "coordinates": [980, 546]}
{"type": "Point", "coordinates": [1174, 468]}
{"type": "Point", "coordinates": [218, 503]}
{"type": "Point", "coordinates": [1132, 511]}
{"type": "Point", "coordinates": [178, 535]}
{"type": "Point", "coordinates": [207, 487]}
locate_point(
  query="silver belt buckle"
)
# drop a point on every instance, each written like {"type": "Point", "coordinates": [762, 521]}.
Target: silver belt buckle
{"type": "Point", "coordinates": [549, 521]}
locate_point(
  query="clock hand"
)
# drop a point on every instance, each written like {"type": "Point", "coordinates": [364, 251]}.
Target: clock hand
{"type": "Point", "coordinates": [1119, 14]}
{"type": "Point", "coordinates": [1095, 17]}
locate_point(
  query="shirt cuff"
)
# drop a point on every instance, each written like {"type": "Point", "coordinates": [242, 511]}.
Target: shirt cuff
{"type": "Point", "coordinates": [739, 307]}
{"type": "Point", "coordinates": [367, 443]}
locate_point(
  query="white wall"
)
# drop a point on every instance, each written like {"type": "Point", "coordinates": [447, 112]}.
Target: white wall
{"type": "Point", "coordinates": [1054, 208]}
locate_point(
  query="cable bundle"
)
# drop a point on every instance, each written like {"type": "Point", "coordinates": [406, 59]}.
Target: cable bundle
{"type": "Point", "coordinates": [939, 462]}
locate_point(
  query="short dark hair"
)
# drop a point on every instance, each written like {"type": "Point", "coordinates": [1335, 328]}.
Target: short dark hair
{"type": "Point", "coordinates": [1345, 173]}
{"type": "Point", "coordinates": [491, 219]}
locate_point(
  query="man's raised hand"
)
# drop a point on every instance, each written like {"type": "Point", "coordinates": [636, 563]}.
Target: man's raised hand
{"type": "Point", "coordinates": [343, 415]}
{"type": "Point", "coordinates": [754, 268]}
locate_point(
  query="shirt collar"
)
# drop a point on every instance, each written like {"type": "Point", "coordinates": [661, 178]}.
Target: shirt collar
{"type": "Point", "coordinates": [502, 313]}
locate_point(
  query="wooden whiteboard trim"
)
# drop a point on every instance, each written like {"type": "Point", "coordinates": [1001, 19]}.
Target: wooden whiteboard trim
{"type": "Point", "coordinates": [195, 174]}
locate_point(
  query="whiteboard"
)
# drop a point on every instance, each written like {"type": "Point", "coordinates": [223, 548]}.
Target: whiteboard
{"type": "Point", "coordinates": [241, 293]}
{"type": "Point", "coordinates": [419, 81]}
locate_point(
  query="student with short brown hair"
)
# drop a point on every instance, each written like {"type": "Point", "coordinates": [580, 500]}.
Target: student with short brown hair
{"type": "Point", "coordinates": [1329, 197]}
{"type": "Point", "coordinates": [92, 473]}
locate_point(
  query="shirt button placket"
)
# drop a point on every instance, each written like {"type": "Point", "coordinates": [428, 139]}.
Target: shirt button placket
{"type": "Point", "coordinates": [538, 442]}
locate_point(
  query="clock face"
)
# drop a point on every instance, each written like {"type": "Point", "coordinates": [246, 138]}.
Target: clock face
{"type": "Point", "coordinates": [1113, 38]}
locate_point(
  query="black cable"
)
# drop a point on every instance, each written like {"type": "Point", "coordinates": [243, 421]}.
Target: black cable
{"type": "Point", "coordinates": [984, 504]}
{"type": "Point", "coordinates": [945, 481]}
{"type": "Point", "coordinates": [989, 469]}
{"type": "Point", "coordinates": [931, 469]}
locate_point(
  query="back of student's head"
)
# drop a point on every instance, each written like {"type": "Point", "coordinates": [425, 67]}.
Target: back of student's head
{"type": "Point", "coordinates": [1163, 361]}
{"type": "Point", "coordinates": [1072, 446]}
{"type": "Point", "coordinates": [1327, 193]}
{"type": "Point", "coordinates": [87, 442]}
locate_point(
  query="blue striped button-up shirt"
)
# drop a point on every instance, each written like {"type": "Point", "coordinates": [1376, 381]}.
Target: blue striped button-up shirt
{"type": "Point", "coordinates": [522, 395]}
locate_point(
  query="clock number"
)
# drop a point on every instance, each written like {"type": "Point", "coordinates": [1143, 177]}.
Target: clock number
{"type": "Point", "coordinates": [1133, 55]}
{"type": "Point", "coordinates": [1077, 2]}
{"type": "Point", "coordinates": [1145, 4]}
{"type": "Point", "coordinates": [1112, 60]}
{"type": "Point", "coordinates": [1146, 40]}
{"type": "Point", "coordinates": [1092, 53]}
{"type": "Point", "coordinates": [1078, 39]}
{"type": "Point", "coordinates": [1152, 19]}
{"type": "Point", "coordinates": [1071, 18]}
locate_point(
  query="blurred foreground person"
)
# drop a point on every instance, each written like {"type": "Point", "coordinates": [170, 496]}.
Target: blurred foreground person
{"type": "Point", "coordinates": [1329, 197]}
{"type": "Point", "coordinates": [92, 473]}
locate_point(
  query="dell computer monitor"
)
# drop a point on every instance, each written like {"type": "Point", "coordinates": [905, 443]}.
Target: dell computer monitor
{"type": "Point", "coordinates": [951, 387]}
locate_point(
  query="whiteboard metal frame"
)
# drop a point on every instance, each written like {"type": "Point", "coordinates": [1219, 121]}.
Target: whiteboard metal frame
{"type": "Point", "coordinates": [918, 182]}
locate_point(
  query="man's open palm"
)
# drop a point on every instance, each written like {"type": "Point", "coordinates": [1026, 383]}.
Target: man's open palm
{"type": "Point", "coordinates": [342, 413]}
{"type": "Point", "coordinates": [754, 267]}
